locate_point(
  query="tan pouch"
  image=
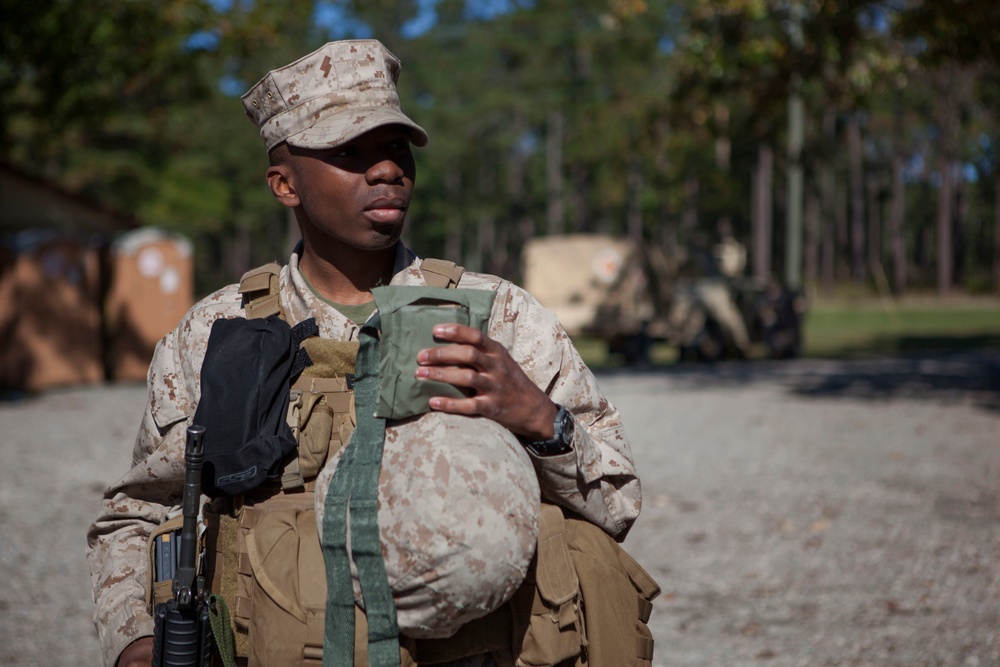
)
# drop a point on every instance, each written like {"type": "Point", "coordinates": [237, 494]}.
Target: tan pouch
{"type": "Point", "coordinates": [617, 594]}
{"type": "Point", "coordinates": [289, 591]}
{"type": "Point", "coordinates": [266, 562]}
{"type": "Point", "coordinates": [160, 591]}
{"type": "Point", "coordinates": [548, 618]}
{"type": "Point", "coordinates": [321, 411]}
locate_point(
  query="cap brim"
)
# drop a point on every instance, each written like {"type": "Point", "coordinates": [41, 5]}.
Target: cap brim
{"type": "Point", "coordinates": [334, 129]}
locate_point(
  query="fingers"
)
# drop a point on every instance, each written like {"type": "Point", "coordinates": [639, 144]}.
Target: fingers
{"type": "Point", "coordinates": [451, 355]}
{"type": "Point", "coordinates": [456, 406]}
{"type": "Point", "coordinates": [467, 378]}
{"type": "Point", "coordinates": [470, 347]}
{"type": "Point", "coordinates": [458, 333]}
{"type": "Point", "coordinates": [500, 389]}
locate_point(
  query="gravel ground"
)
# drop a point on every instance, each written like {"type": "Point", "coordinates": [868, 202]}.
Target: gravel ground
{"type": "Point", "coordinates": [798, 513]}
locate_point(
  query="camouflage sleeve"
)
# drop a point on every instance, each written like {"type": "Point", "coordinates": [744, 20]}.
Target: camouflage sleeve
{"type": "Point", "coordinates": [598, 478]}
{"type": "Point", "coordinates": [150, 491]}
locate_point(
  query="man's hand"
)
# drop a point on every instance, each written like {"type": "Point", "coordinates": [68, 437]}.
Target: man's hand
{"type": "Point", "coordinates": [137, 654]}
{"type": "Point", "coordinates": [502, 391]}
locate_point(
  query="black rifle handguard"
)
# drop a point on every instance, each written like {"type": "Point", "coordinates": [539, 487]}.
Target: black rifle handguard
{"type": "Point", "coordinates": [182, 635]}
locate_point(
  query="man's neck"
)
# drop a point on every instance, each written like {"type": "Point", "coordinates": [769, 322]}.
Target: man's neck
{"type": "Point", "coordinates": [348, 279]}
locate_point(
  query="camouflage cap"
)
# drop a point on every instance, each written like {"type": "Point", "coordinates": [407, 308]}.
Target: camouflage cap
{"type": "Point", "coordinates": [330, 96]}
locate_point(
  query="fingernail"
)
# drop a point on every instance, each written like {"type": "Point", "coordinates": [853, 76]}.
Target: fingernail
{"type": "Point", "coordinates": [423, 356]}
{"type": "Point", "coordinates": [435, 403]}
{"type": "Point", "coordinates": [423, 372]}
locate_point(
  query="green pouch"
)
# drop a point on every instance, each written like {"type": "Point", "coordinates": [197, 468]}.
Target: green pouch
{"type": "Point", "coordinates": [408, 317]}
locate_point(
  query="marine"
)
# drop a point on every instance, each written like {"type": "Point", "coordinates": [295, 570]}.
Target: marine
{"type": "Point", "coordinates": [528, 446]}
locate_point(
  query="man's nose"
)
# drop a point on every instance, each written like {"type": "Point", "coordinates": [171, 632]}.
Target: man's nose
{"type": "Point", "coordinates": [385, 170]}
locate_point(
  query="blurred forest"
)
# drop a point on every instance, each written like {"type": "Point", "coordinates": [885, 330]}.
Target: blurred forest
{"type": "Point", "coordinates": [842, 141]}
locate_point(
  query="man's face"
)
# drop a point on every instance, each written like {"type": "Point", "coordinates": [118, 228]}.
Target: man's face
{"type": "Point", "coordinates": [356, 194]}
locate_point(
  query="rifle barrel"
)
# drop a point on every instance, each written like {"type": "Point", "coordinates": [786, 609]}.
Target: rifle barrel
{"type": "Point", "coordinates": [194, 456]}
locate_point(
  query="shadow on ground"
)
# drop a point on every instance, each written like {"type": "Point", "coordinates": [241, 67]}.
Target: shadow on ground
{"type": "Point", "coordinates": [920, 372]}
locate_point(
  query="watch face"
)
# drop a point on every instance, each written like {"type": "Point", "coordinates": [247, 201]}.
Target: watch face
{"type": "Point", "coordinates": [562, 438]}
{"type": "Point", "coordinates": [565, 434]}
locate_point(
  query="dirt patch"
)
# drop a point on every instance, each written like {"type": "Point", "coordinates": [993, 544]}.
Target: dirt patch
{"type": "Point", "coordinates": [801, 513]}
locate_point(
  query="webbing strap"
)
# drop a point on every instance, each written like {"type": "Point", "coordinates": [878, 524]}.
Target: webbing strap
{"type": "Point", "coordinates": [354, 492]}
{"type": "Point", "coordinates": [222, 630]}
{"type": "Point", "coordinates": [259, 288]}
{"type": "Point", "coordinates": [441, 272]}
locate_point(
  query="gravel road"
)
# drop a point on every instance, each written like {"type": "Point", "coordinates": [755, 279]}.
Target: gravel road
{"type": "Point", "coordinates": [796, 513]}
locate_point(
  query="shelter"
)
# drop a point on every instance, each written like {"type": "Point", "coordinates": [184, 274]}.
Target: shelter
{"type": "Point", "coordinates": [50, 315]}
{"type": "Point", "coordinates": [151, 288]}
{"type": "Point", "coordinates": [51, 283]}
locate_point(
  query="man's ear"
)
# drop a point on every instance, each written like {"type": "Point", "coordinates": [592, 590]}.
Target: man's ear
{"type": "Point", "coordinates": [279, 179]}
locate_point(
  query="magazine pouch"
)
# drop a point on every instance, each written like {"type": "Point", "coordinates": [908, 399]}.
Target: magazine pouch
{"type": "Point", "coordinates": [409, 314]}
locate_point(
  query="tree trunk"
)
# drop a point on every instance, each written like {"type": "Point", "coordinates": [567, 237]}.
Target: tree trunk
{"type": "Point", "coordinates": [579, 203]}
{"type": "Point", "coordinates": [723, 161]}
{"type": "Point", "coordinates": [897, 204]}
{"type": "Point", "coordinates": [811, 240]}
{"type": "Point", "coordinates": [480, 255]}
{"type": "Point", "coordinates": [763, 211]}
{"type": "Point", "coordinates": [689, 218]}
{"type": "Point", "coordinates": [996, 232]}
{"type": "Point", "coordinates": [897, 213]}
{"type": "Point", "coordinates": [633, 214]}
{"type": "Point", "coordinates": [953, 90]}
{"type": "Point", "coordinates": [828, 225]}
{"type": "Point", "coordinates": [857, 194]}
{"type": "Point", "coordinates": [873, 188]}
{"type": "Point", "coordinates": [521, 227]}
{"type": "Point", "coordinates": [840, 201]}
{"type": "Point", "coordinates": [605, 220]}
{"type": "Point", "coordinates": [667, 229]}
{"type": "Point", "coordinates": [794, 186]}
{"type": "Point", "coordinates": [960, 219]}
{"type": "Point", "coordinates": [554, 173]}
{"type": "Point", "coordinates": [945, 266]}
{"type": "Point", "coordinates": [453, 221]}
{"type": "Point", "coordinates": [237, 252]}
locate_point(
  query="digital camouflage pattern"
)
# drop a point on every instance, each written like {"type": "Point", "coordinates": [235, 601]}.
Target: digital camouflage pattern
{"type": "Point", "coordinates": [336, 93]}
{"type": "Point", "coordinates": [458, 516]}
{"type": "Point", "coordinates": [597, 479]}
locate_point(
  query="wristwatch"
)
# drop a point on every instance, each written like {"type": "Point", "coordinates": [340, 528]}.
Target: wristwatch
{"type": "Point", "coordinates": [561, 441]}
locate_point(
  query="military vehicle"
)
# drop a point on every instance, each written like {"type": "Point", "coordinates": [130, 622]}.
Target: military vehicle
{"type": "Point", "coordinates": [632, 295]}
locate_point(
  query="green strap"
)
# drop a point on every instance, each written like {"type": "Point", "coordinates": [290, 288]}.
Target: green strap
{"type": "Point", "coordinates": [222, 630]}
{"type": "Point", "coordinates": [354, 490]}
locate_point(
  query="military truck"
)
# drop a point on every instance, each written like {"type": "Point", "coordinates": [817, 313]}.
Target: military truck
{"type": "Point", "coordinates": [632, 295]}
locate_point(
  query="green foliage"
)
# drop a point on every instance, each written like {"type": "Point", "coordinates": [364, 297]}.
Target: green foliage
{"type": "Point", "coordinates": [605, 110]}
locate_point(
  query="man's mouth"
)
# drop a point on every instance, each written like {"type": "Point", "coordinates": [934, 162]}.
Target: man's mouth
{"type": "Point", "coordinates": [386, 210]}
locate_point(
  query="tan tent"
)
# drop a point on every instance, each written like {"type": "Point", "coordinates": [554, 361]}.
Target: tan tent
{"type": "Point", "coordinates": [152, 286]}
{"type": "Point", "coordinates": [50, 318]}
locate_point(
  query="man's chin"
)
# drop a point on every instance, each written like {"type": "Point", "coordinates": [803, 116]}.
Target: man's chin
{"type": "Point", "coordinates": [383, 238]}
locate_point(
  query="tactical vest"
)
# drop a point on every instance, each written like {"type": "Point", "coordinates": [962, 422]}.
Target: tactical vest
{"type": "Point", "coordinates": [263, 556]}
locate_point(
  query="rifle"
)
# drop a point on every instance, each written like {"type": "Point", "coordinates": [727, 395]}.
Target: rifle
{"type": "Point", "coordinates": [182, 635]}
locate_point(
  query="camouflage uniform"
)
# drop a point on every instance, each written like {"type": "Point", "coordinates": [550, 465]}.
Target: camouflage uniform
{"type": "Point", "coordinates": [597, 479]}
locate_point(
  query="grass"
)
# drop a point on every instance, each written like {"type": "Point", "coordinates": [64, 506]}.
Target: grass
{"type": "Point", "coordinates": [595, 353]}
{"type": "Point", "coordinates": [868, 327]}
{"type": "Point", "coordinates": [846, 328]}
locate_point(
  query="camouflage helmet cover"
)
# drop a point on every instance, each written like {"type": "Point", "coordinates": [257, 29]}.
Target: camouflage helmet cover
{"type": "Point", "coordinates": [330, 96]}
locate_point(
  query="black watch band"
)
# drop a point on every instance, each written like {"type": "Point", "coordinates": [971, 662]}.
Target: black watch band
{"type": "Point", "coordinates": [561, 441]}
